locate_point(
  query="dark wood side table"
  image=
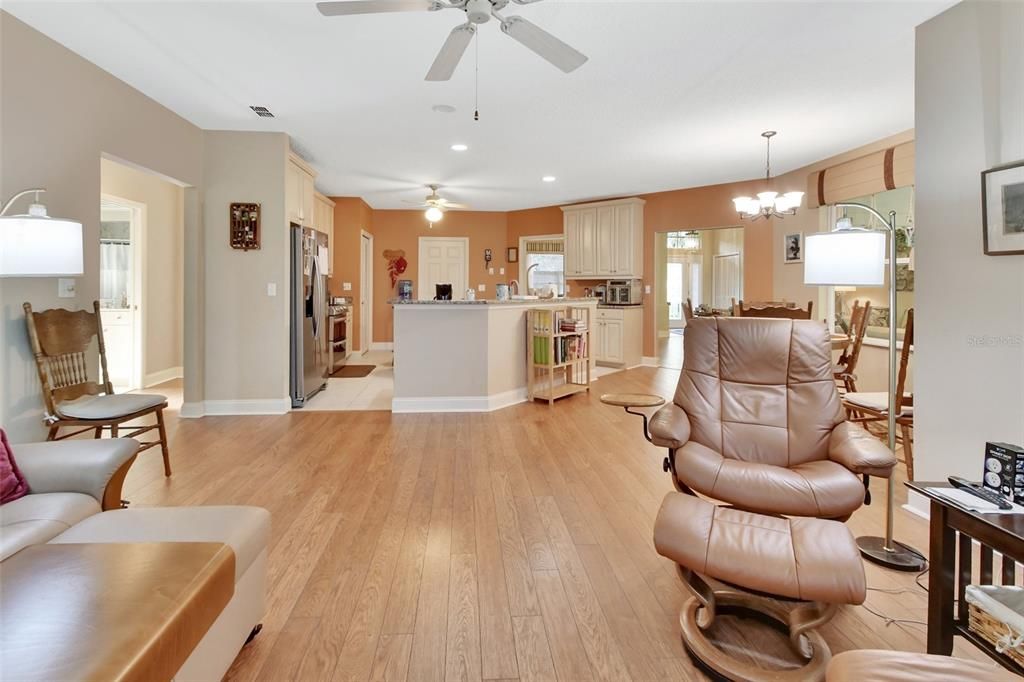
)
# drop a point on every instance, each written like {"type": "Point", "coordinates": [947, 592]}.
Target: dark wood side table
{"type": "Point", "coordinates": [952, 529]}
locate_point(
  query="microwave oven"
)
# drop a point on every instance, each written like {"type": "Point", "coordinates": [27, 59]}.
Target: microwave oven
{"type": "Point", "coordinates": [623, 292]}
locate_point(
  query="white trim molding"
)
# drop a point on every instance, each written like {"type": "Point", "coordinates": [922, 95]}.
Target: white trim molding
{"type": "Point", "coordinates": [648, 361]}
{"type": "Point", "coordinates": [382, 345]}
{"type": "Point", "coordinates": [212, 408]}
{"type": "Point", "coordinates": [163, 375]}
{"type": "Point", "coordinates": [917, 504]}
{"type": "Point", "coordinates": [481, 403]}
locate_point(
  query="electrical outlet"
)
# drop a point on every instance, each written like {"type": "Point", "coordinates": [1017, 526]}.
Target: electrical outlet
{"type": "Point", "coordinates": [501, 271]}
{"type": "Point", "coordinates": [490, 271]}
{"type": "Point", "coordinates": [647, 289]}
{"type": "Point", "coordinates": [346, 286]}
{"type": "Point", "coordinates": [271, 288]}
{"type": "Point", "coordinates": [65, 287]}
{"type": "Point", "coordinates": [481, 287]}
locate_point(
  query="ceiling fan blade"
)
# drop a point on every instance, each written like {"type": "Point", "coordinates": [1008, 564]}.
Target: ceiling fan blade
{"type": "Point", "coordinates": [544, 44]}
{"type": "Point", "coordinates": [333, 9]}
{"type": "Point", "coordinates": [451, 52]}
{"type": "Point", "coordinates": [448, 204]}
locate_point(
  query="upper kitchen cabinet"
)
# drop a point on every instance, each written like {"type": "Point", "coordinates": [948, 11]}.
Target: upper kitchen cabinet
{"type": "Point", "coordinates": [323, 220]}
{"type": "Point", "coordinates": [299, 192]}
{"type": "Point", "coordinates": [604, 239]}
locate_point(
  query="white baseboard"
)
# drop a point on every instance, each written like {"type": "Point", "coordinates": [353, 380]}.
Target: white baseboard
{"type": "Point", "coordinates": [209, 408]}
{"type": "Point", "coordinates": [648, 361]}
{"type": "Point", "coordinates": [459, 403]}
{"type": "Point", "coordinates": [382, 345]}
{"type": "Point", "coordinates": [162, 376]}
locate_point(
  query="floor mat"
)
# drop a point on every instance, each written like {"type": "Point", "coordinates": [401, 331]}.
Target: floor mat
{"type": "Point", "coordinates": [353, 371]}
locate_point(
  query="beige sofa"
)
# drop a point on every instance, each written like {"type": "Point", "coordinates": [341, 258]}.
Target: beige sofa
{"type": "Point", "coordinates": [68, 481]}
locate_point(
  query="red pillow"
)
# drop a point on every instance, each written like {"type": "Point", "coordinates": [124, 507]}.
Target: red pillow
{"type": "Point", "coordinates": [12, 483]}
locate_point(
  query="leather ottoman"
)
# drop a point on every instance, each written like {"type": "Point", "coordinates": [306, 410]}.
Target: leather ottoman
{"type": "Point", "coordinates": [902, 666]}
{"type": "Point", "coordinates": [794, 570]}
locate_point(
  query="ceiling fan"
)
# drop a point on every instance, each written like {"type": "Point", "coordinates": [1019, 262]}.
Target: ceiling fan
{"type": "Point", "coordinates": [436, 205]}
{"type": "Point", "coordinates": [477, 12]}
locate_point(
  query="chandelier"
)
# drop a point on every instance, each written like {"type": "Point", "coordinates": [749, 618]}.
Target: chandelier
{"type": "Point", "coordinates": [768, 204]}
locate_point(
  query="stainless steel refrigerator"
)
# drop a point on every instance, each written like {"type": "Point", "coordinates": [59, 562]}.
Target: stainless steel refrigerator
{"type": "Point", "coordinates": [308, 313]}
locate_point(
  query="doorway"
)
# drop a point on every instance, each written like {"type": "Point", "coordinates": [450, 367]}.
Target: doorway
{"type": "Point", "coordinates": [443, 260]}
{"type": "Point", "coordinates": [122, 283]}
{"type": "Point", "coordinates": [704, 267]}
{"type": "Point", "coordinates": [365, 292]}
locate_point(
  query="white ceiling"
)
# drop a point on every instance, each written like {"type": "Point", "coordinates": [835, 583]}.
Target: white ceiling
{"type": "Point", "coordinates": [675, 93]}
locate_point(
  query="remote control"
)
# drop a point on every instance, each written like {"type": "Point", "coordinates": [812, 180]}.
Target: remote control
{"type": "Point", "coordinates": [982, 493]}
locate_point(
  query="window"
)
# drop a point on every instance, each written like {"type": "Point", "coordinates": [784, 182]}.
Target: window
{"type": "Point", "coordinates": [544, 264]}
{"type": "Point", "coordinates": [687, 241]}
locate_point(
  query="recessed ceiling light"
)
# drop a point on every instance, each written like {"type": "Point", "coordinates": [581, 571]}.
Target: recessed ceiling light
{"type": "Point", "coordinates": [548, 178]}
{"type": "Point", "coordinates": [459, 147]}
{"type": "Point", "coordinates": [444, 108]}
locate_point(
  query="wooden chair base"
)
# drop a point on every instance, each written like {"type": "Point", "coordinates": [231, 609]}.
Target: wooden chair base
{"type": "Point", "coordinates": [113, 426]}
{"type": "Point", "coordinates": [799, 619]}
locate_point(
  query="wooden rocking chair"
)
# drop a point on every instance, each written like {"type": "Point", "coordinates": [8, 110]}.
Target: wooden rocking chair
{"type": "Point", "coordinates": [60, 339]}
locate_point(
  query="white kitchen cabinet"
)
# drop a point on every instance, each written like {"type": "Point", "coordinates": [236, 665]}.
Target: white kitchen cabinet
{"type": "Point", "coordinates": [323, 220]}
{"type": "Point", "coordinates": [617, 337]}
{"type": "Point", "coordinates": [604, 239]}
{"type": "Point", "coordinates": [299, 192]}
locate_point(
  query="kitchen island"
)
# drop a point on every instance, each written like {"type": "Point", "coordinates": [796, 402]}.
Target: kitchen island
{"type": "Point", "coordinates": [464, 356]}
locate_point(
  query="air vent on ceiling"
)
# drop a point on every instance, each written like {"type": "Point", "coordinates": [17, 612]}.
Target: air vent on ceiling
{"type": "Point", "coordinates": [263, 112]}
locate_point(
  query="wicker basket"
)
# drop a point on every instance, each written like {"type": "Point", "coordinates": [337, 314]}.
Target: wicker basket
{"type": "Point", "coordinates": [996, 614]}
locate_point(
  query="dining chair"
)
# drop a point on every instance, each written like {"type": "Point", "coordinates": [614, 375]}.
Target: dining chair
{"type": "Point", "coordinates": [774, 309]}
{"type": "Point", "coordinates": [60, 340]}
{"type": "Point", "coordinates": [846, 366]}
{"type": "Point", "coordinates": [872, 407]}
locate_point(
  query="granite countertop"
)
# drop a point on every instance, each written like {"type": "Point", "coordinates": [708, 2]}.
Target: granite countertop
{"type": "Point", "coordinates": [616, 307]}
{"type": "Point", "coordinates": [491, 301]}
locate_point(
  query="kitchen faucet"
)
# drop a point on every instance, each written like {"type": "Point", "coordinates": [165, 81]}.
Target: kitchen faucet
{"type": "Point", "coordinates": [513, 287]}
{"type": "Point", "coordinates": [528, 270]}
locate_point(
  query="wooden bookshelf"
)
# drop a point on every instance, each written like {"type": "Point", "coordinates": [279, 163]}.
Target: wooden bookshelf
{"type": "Point", "coordinates": [557, 358]}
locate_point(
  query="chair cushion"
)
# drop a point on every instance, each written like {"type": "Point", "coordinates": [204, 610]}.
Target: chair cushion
{"type": "Point", "coordinates": [881, 665]}
{"type": "Point", "coordinates": [34, 519]}
{"type": "Point", "coordinates": [245, 529]}
{"type": "Point", "coordinates": [878, 402]}
{"type": "Point", "coordinates": [808, 559]}
{"type": "Point", "coordinates": [109, 406]}
{"type": "Point", "coordinates": [821, 488]}
{"type": "Point", "coordinates": [12, 482]}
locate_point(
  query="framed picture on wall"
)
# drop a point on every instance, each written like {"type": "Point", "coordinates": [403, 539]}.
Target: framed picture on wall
{"type": "Point", "coordinates": [1002, 209]}
{"type": "Point", "coordinates": [793, 248]}
{"type": "Point", "coordinates": [512, 254]}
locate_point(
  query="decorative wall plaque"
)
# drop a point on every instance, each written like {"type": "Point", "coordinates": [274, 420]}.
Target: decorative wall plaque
{"type": "Point", "coordinates": [244, 221]}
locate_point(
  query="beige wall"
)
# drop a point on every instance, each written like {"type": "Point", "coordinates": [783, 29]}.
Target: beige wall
{"type": "Point", "coordinates": [162, 307]}
{"type": "Point", "coordinates": [58, 115]}
{"type": "Point", "coordinates": [970, 307]}
{"type": "Point", "coordinates": [246, 330]}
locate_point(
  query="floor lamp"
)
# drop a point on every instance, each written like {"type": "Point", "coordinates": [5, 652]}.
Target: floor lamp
{"type": "Point", "coordinates": [855, 256]}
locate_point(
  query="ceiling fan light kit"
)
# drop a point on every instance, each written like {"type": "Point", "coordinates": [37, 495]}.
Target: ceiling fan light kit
{"type": "Point", "coordinates": [528, 34]}
{"type": "Point", "coordinates": [768, 204]}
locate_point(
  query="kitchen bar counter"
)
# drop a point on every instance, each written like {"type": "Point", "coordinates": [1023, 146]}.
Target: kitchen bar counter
{"type": "Point", "coordinates": [463, 356]}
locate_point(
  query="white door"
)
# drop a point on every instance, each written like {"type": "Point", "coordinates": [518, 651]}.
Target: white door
{"type": "Point", "coordinates": [444, 261]}
{"type": "Point", "coordinates": [604, 238]}
{"type": "Point", "coordinates": [725, 280]}
{"type": "Point", "coordinates": [676, 292]}
{"type": "Point", "coordinates": [365, 293]}
{"type": "Point", "coordinates": [121, 291]}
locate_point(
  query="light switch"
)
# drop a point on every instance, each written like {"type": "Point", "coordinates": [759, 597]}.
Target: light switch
{"type": "Point", "coordinates": [271, 288]}
{"type": "Point", "coordinates": [490, 271]}
{"type": "Point", "coordinates": [346, 286]}
{"type": "Point", "coordinates": [647, 289]}
{"type": "Point", "coordinates": [481, 287]}
{"type": "Point", "coordinates": [66, 287]}
{"type": "Point", "coordinates": [501, 271]}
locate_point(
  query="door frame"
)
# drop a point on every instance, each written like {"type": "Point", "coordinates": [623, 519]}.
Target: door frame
{"type": "Point", "coordinates": [423, 241]}
{"type": "Point", "coordinates": [366, 278]}
{"type": "Point", "coordinates": [139, 282]}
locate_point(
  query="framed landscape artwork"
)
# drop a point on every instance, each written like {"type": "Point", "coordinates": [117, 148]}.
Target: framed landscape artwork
{"type": "Point", "coordinates": [793, 248]}
{"type": "Point", "coordinates": [1002, 209]}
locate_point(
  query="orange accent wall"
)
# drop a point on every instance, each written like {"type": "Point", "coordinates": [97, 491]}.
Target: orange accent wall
{"type": "Point", "coordinates": [351, 216]}
{"type": "Point", "coordinates": [402, 230]}
{"type": "Point", "coordinates": [533, 221]}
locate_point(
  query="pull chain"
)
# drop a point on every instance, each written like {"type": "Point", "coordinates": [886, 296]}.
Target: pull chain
{"type": "Point", "coordinates": [768, 158]}
{"type": "Point", "coordinates": [476, 81]}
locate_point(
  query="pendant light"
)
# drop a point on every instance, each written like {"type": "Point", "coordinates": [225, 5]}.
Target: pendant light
{"type": "Point", "coordinates": [768, 204]}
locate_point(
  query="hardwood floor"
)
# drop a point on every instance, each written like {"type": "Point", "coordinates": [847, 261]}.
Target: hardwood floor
{"type": "Point", "coordinates": [510, 545]}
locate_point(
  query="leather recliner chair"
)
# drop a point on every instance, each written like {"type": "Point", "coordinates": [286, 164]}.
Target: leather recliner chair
{"type": "Point", "coordinates": [757, 422]}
